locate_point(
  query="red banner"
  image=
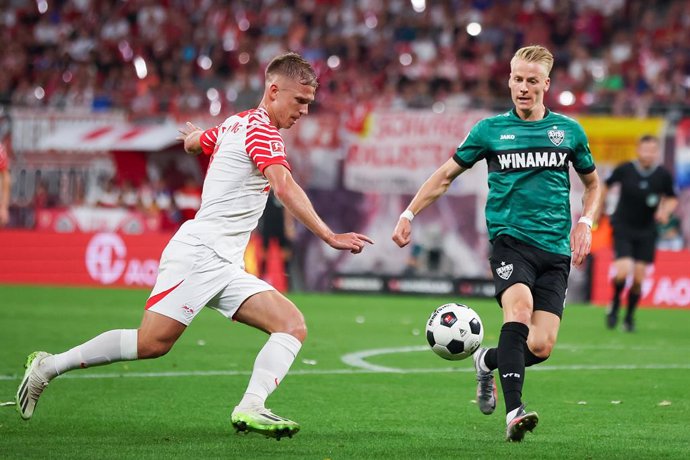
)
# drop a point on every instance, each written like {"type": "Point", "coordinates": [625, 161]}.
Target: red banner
{"type": "Point", "coordinates": [79, 259]}
{"type": "Point", "coordinates": [667, 283]}
{"type": "Point", "coordinates": [102, 259]}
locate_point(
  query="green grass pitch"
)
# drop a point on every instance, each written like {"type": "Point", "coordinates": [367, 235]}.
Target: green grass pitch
{"type": "Point", "coordinates": [364, 385]}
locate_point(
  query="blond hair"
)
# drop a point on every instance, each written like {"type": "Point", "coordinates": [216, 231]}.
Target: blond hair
{"type": "Point", "coordinates": [293, 66]}
{"type": "Point", "coordinates": [534, 53]}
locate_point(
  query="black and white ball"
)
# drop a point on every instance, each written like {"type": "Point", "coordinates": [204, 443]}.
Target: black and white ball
{"type": "Point", "coordinates": [454, 331]}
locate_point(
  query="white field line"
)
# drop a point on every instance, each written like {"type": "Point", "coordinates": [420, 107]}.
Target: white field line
{"type": "Point", "coordinates": [360, 366]}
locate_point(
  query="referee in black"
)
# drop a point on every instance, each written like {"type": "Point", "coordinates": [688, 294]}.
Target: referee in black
{"type": "Point", "coordinates": [646, 198]}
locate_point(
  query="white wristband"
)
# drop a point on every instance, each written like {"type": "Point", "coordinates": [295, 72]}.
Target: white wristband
{"type": "Point", "coordinates": [407, 214]}
{"type": "Point", "coordinates": [585, 220]}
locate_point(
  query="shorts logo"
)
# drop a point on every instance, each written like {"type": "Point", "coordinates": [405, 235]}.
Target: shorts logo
{"type": "Point", "coordinates": [504, 271]}
{"type": "Point", "coordinates": [187, 312]}
{"type": "Point", "coordinates": [556, 136]}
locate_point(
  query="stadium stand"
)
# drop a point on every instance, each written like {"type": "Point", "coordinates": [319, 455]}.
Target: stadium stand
{"type": "Point", "coordinates": [159, 57]}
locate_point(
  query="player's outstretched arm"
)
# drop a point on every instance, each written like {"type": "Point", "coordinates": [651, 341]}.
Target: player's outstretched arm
{"type": "Point", "coordinates": [581, 236]}
{"type": "Point", "coordinates": [601, 209]}
{"type": "Point", "coordinates": [436, 185]}
{"type": "Point", "coordinates": [296, 201]}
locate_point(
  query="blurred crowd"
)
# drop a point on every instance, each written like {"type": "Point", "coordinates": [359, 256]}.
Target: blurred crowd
{"type": "Point", "coordinates": [170, 199]}
{"type": "Point", "coordinates": [624, 57]}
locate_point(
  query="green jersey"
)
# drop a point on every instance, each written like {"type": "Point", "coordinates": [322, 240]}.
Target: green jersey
{"type": "Point", "coordinates": [529, 180]}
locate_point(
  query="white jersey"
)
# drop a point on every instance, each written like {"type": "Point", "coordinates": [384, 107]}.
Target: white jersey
{"type": "Point", "coordinates": [235, 190]}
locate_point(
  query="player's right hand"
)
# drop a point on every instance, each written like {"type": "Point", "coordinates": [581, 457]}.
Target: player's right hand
{"type": "Point", "coordinates": [190, 136]}
{"type": "Point", "coordinates": [354, 242]}
{"type": "Point", "coordinates": [402, 235]}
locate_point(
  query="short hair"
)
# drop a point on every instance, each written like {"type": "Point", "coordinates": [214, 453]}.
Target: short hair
{"type": "Point", "coordinates": [534, 53]}
{"type": "Point", "coordinates": [293, 66]}
{"type": "Point", "coordinates": [648, 138]}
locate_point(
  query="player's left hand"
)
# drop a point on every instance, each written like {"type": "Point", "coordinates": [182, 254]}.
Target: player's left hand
{"type": "Point", "coordinates": [402, 235]}
{"type": "Point", "coordinates": [580, 243]}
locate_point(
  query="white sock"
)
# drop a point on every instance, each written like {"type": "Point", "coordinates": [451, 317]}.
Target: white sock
{"type": "Point", "coordinates": [482, 364]}
{"type": "Point", "coordinates": [511, 415]}
{"type": "Point", "coordinates": [271, 365]}
{"type": "Point", "coordinates": [109, 347]}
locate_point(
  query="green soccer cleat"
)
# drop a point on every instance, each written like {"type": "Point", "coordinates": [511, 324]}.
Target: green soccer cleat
{"type": "Point", "coordinates": [33, 384]}
{"type": "Point", "coordinates": [521, 424]}
{"type": "Point", "coordinates": [263, 421]}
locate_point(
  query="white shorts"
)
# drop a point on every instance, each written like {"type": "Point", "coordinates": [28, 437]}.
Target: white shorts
{"type": "Point", "coordinates": [191, 277]}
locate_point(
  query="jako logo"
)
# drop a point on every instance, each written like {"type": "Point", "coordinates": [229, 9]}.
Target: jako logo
{"type": "Point", "coordinates": [507, 137]}
{"type": "Point", "coordinates": [106, 261]}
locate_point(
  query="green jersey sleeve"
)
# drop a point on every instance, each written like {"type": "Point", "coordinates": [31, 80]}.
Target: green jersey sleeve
{"type": "Point", "coordinates": [473, 148]}
{"type": "Point", "coordinates": [582, 155]}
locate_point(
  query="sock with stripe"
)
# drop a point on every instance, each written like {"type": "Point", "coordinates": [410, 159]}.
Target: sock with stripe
{"type": "Point", "coordinates": [109, 347]}
{"type": "Point", "coordinates": [270, 367]}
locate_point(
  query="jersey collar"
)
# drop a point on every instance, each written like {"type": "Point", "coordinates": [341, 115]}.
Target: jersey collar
{"type": "Point", "coordinates": [546, 113]}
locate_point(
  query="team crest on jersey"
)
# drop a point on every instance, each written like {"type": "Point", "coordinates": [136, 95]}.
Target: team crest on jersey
{"type": "Point", "coordinates": [556, 136]}
{"type": "Point", "coordinates": [277, 148]}
{"type": "Point", "coordinates": [504, 271]}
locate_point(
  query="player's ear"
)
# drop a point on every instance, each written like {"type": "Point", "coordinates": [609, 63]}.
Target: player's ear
{"type": "Point", "coordinates": [273, 91]}
{"type": "Point", "coordinates": [547, 84]}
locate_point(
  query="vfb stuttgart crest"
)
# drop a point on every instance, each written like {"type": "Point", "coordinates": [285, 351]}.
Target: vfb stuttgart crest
{"type": "Point", "coordinates": [556, 136]}
{"type": "Point", "coordinates": [504, 271]}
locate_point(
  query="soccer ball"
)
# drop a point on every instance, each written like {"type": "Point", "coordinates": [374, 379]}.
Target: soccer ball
{"type": "Point", "coordinates": [454, 331]}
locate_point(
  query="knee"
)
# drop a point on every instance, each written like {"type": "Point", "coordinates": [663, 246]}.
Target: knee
{"type": "Point", "coordinates": [520, 312]}
{"type": "Point", "coordinates": [541, 348]}
{"type": "Point", "coordinates": [147, 348]}
{"type": "Point", "coordinates": [297, 328]}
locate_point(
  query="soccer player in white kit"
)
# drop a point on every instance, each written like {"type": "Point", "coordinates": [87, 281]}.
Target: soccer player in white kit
{"type": "Point", "coordinates": [202, 265]}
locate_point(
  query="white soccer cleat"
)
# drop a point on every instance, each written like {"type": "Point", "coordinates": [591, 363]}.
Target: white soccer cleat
{"type": "Point", "coordinates": [521, 424]}
{"type": "Point", "coordinates": [486, 385]}
{"type": "Point", "coordinates": [33, 384]}
{"type": "Point", "coordinates": [263, 421]}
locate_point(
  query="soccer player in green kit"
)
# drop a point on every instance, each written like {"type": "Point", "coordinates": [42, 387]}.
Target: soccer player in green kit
{"type": "Point", "coordinates": [528, 151]}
